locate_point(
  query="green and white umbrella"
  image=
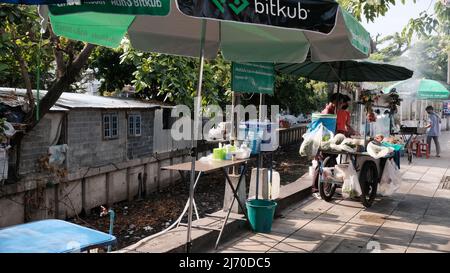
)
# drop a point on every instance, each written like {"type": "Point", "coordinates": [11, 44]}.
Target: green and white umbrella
{"type": "Point", "coordinates": [422, 89]}
{"type": "Point", "coordinates": [173, 27]}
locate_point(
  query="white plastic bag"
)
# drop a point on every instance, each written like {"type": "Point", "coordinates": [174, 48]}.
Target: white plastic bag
{"type": "Point", "coordinates": [313, 140]}
{"type": "Point", "coordinates": [390, 180]}
{"type": "Point", "coordinates": [351, 187]}
{"type": "Point", "coordinates": [377, 151]}
{"type": "Point", "coordinates": [348, 145]}
{"type": "Point", "coordinates": [57, 154]}
{"type": "Point", "coordinates": [338, 139]}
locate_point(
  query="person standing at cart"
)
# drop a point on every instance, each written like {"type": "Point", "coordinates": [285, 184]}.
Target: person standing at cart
{"type": "Point", "coordinates": [434, 129]}
{"type": "Point", "coordinates": [343, 123]}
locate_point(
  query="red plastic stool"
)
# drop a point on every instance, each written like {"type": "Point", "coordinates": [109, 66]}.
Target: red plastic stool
{"type": "Point", "coordinates": [423, 147]}
{"type": "Point", "coordinates": [415, 148]}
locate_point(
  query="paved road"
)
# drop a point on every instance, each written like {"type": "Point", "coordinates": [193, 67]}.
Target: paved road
{"type": "Point", "coordinates": [415, 219]}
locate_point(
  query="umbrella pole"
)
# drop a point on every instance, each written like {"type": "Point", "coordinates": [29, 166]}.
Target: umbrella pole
{"type": "Point", "coordinates": [197, 114]}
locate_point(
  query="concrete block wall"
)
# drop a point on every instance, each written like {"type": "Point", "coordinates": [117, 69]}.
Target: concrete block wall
{"type": "Point", "coordinates": [140, 146]}
{"type": "Point", "coordinates": [117, 190]}
{"type": "Point", "coordinates": [87, 147]}
{"type": "Point", "coordinates": [35, 145]}
{"type": "Point", "coordinates": [69, 199]}
{"type": "Point", "coordinates": [87, 188]}
{"type": "Point", "coordinates": [12, 210]}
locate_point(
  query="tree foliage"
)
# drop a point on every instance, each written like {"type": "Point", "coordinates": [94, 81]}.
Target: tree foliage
{"type": "Point", "coordinates": [106, 64]}
{"type": "Point", "coordinates": [174, 79]}
{"type": "Point", "coordinates": [61, 60]}
{"type": "Point", "coordinates": [369, 9]}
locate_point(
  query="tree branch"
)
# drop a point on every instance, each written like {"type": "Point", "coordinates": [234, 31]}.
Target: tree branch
{"type": "Point", "coordinates": [63, 83]}
{"type": "Point", "coordinates": [59, 57]}
{"type": "Point", "coordinates": [24, 71]}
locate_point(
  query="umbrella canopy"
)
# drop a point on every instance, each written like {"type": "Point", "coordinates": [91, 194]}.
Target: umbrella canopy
{"type": "Point", "coordinates": [328, 34]}
{"type": "Point", "coordinates": [342, 71]}
{"type": "Point", "coordinates": [423, 89]}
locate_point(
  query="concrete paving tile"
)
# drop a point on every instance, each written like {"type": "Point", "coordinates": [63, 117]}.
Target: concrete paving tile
{"type": "Point", "coordinates": [305, 243]}
{"type": "Point", "coordinates": [385, 206]}
{"type": "Point", "coordinates": [437, 170]}
{"type": "Point", "coordinates": [329, 245]}
{"type": "Point", "coordinates": [400, 225]}
{"type": "Point", "coordinates": [379, 247]}
{"type": "Point", "coordinates": [442, 194]}
{"type": "Point", "coordinates": [290, 248]}
{"type": "Point", "coordinates": [351, 204]}
{"type": "Point", "coordinates": [358, 231]}
{"type": "Point", "coordinates": [436, 225]}
{"type": "Point", "coordinates": [369, 218]}
{"type": "Point", "coordinates": [420, 169]}
{"type": "Point", "coordinates": [412, 175]}
{"type": "Point", "coordinates": [442, 212]}
{"type": "Point", "coordinates": [430, 241]}
{"type": "Point", "coordinates": [323, 226]}
{"type": "Point", "coordinates": [351, 246]}
{"type": "Point", "coordinates": [431, 179]}
{"type": "Point", "coordinates": [288, 226]}
{"type": "Point", "coordinates": [394, 236]}
{"type": "Point", "coordinates": [251, 246]}
{"type": "Point", "coordinates": [301, 214]}
{"type": "Point", "coordinates": [421, 250]}
{"type": "Point", "coordinates": [317, 206]}
{"type": "Point", "coordinates": [266, 237]}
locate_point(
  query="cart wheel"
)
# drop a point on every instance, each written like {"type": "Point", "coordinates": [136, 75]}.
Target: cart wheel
{"type": "Point", "coordinates": [368, 179]}
{"type": "Point", "coordinates": [327, 190]}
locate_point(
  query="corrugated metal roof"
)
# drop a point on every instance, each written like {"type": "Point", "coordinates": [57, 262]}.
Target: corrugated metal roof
{"type": "Point", "coordinates": [58, 109]}
{"type": "Point", "coordinates": [77, 100]}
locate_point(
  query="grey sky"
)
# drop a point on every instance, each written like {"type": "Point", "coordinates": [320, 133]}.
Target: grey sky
{"type": "Point", "coordinates": [397, 17]}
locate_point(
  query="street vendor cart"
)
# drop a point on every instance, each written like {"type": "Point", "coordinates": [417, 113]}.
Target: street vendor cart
{"type": "Point", "coordinates": [369, 170]}
{"type": "Point", "coordinates": [367, 166]}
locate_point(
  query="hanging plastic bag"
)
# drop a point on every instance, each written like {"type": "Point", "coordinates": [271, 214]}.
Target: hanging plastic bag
{"type": "Point", "coordinates": [351, 187]}
{"type": "Point", "coordinates": [313, 140]}
{"type": "Point", "coordinates": [57, 154]}
{"type": "Point", "coordinates": [390, 180]}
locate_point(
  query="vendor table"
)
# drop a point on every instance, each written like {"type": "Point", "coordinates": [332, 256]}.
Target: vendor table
{"type": "Point", "coordinates": [51, 236]}
{"type": "Point", "coordinates": [202, 167]}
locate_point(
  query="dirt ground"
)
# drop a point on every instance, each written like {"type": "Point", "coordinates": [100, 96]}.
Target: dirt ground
{"type": "Point", "coordinates": [141, 218]}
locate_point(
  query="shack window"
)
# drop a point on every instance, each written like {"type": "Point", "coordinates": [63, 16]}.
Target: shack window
{"type": "Point", "coordinates": [110, 126]}
{"type": "Point", "coordinates": [134, 125]}
{"type": "Point", "coordinates": [166, 118]}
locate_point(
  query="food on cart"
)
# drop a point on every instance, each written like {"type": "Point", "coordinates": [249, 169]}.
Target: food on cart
{"type": "Point", "coordinates": [377, 151]}
{"type": "Point", "coordinates": [338, 139]}
{"type": "Point", "coordinates": [348, 145]}
{"type": "Point", "coordinates": [379, 138]}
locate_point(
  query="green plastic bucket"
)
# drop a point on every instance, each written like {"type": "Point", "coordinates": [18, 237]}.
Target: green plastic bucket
{"type": "Point", "coordinates": [260, 214]}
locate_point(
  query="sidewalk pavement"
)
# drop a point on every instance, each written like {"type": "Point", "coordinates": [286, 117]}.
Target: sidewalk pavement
{"type": "Point", "coordinates": [415, 219]}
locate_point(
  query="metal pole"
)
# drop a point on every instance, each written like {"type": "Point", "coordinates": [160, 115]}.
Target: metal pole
{"type": "Point", "coordinates": [38, 78]}
{"type": "Point", "coordinates": [233, 135]}
{"type": "Point", "coordinates": [112, 216]}
{"type": "Point", "coordinates": [197, 114]}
